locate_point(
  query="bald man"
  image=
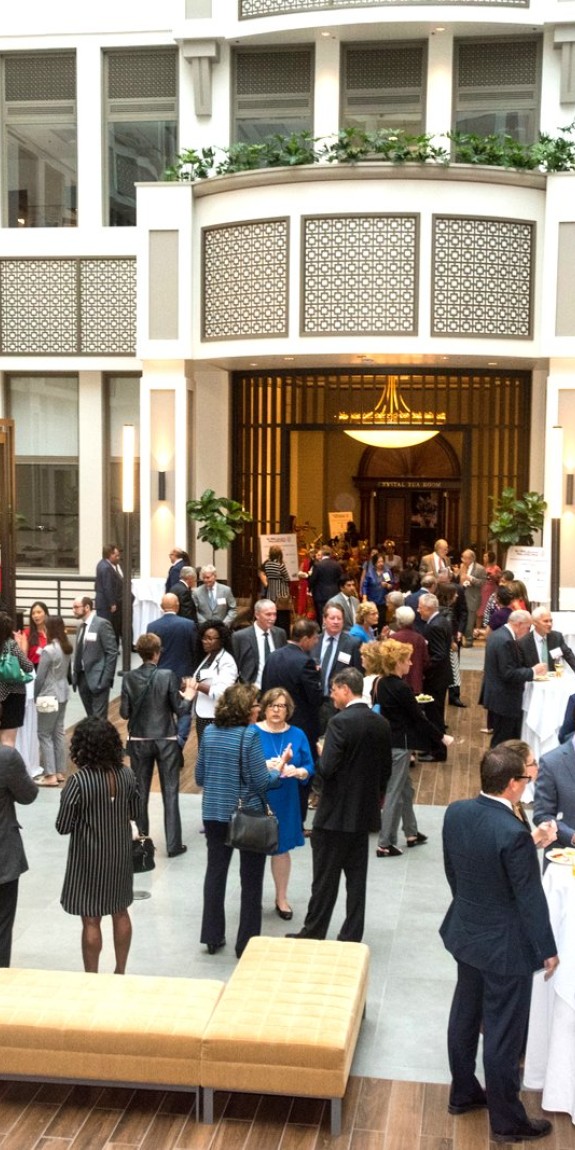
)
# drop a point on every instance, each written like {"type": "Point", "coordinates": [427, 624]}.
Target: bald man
{"type": "Point", "coordinates": [180, 648]}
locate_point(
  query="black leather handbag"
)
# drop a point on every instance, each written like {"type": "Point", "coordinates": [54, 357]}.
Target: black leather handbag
{"type": "Point", "coordinates": [143, 852]}
{"type": "Point", "coordinates": [252, 830]}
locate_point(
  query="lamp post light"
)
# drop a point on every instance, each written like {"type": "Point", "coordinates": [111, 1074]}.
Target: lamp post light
{"type": "Point", "coordinates": [556, 509]}
{"type": "Point", "coordinates": [128, 458]}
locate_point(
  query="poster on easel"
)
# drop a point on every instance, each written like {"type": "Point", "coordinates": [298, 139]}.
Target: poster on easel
{"type": "Point", "coordinates": [338, 521]}
{"type": "Point", "coordinates": [288, 544]}
{"type": "Point", "coordinates": [531, 565]}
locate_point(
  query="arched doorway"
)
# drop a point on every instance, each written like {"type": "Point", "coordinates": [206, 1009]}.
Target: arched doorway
{"type": "Point", "coordinates": [412, 494]}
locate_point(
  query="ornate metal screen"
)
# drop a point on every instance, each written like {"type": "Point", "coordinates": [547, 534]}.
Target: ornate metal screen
{"type": "Point", "coordinates": [245, 280]}
{"type": "Point", "coordinates": [248, 9]}
{"type": "Point", "coordinates": [489, 411]}
{"type": "Point", "coordinates": [68, 307]}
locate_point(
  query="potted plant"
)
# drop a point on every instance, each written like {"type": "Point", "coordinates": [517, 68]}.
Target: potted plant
{"type": "Point", "coordinates": [516, 518]}
{"type": "Point", "coordinates": [222, 519]}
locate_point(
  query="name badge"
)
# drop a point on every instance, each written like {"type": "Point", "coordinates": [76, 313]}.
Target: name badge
{"type": "Point", "coordinates": [556, 653]}
{"type": "Point", "coordinates": [90, 637]}
{"type": "Point", "coordinates": [343, 657]}
{"type": "Point", "coordinates": [221, 602]}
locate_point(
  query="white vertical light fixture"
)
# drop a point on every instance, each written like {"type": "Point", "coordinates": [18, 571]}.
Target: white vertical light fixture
{"type": "Point", "coordinates": [556, 509]}
{"type": "Point", "coordinates": [128, 462]}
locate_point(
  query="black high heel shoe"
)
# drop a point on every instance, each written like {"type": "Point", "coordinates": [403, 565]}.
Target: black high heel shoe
{"type": "Point", "coordinates": [287, 915]}
{"type": "Point", "coordinates": [213, 947]}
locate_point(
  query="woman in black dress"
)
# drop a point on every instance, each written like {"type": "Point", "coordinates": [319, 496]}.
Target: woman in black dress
{"type": "Point", "coordinates": [96, 806]}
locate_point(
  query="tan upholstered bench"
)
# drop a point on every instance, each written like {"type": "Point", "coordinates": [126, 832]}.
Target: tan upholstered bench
{"type": "Point", "coordinates": [287, 1022]}
{"type": "Point", "coordinates": [132, 1030]}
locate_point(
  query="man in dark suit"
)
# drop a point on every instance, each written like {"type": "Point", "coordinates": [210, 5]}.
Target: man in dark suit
{"type": "Point", "coordinates": [498, 930]}
{"type": "Point", "coordinates": [180, 649]}
{"type": "Point", "coordinates": [334, 651]}
{"type": "Point", "coordinates": [16, 786]}
{"type": "Point", "coordinates": [183, 590]}
{"type": "Point", "coordinates": [555, 793]}
{"type": "Point", "coordinates": [543, 644]}
{"type": "Point", "coordinates": [253, 645]}
{"type": "Point", "coordinates": [94, 661]}
{"type": "Point", "coordinates": [109, 586]}
{"type": "Point", "coordinates": [437, 677]}
{"type": "Point", "coordinates": [324, 580]}
{"type": "Point", "coordinates": [505, 676]}
{"type": "Point", "coordinates": [355, 767]}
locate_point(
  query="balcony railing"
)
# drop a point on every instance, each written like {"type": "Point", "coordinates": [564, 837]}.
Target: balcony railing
{"type": "Point", "coordinates": [250, 9]}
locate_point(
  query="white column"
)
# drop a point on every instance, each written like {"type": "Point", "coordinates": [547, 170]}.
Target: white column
{"type": "Point", "coordinates": [90, 143]}
{"type": "Point", "coordinates": [163, 447]}
{"type": "Point", "coordinates": [91, 470]}
{"type": "Point", "coordinates": [439, 83]}
{"type": "Point", "coordinates": [326, 90]}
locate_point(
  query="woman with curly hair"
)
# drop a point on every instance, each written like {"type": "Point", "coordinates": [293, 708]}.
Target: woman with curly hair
{"type": "Point", "coordinates": [231, 765]}
{"type": "Point", "coordinates": [366, 624]}
{"type": "Point", "coordinates": [216, 671]}
{"type": "Point", "coordinates": [96, 807]}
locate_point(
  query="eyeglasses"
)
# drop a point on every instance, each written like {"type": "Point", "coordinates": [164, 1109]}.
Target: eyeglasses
{"type": "Point", "coordinates": [533, 764]}
{"type": "Point", "coordinates": [278, 706]}
{"type": "Point", "coordinates": [522, 777]}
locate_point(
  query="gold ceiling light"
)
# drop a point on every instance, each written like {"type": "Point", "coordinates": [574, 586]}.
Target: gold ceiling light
{"type": "Point", "coordinates": [393, 424]}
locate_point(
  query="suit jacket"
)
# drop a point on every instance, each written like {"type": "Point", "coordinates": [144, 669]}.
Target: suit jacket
{"type": "Point", "coordinates": [349, 606]}
{"type": "Point", "coordinates": [324, 580]}
{"type": "Point", "coordinates": [184, 594]}
{"type": "Point", "coordinates": [246, 652]}
{"type": "Point", "coordinates": [438, 634]}
{"type": "Point", "coordinates": [99, 655]}
{"type": "Point", "coordinates": [499, 918]}
{"type": "Point", "coordinates": [347, 647]}
{"type": "Point", "coordinates": [530, 654]}
{"type": "Point", "coordinates": [555, 792]}
{"type": "Point", "coordinates": [174, 574]}
{"type": "Point", "coordinates": [16, 786]}
{"type": "Point", "coordinates": [504, 675]}
{"type": "Point", "coordinates": [291, 668]}
{"type": "Point", "coordinates": [477, 578]}
{"type": "Point", "coordinates": [355, 767]}
{"type": "Point", "coordinates": [153, 717]}
{"type": "Point", "coordinates": [52, 674]}
{"type": "Point", "coordinates": [179, 643]}
{"type": "Point", "coordinates": [225, 608]}
{"type": "Point", "coordinates": [109, 589]}
{"type": "Point", "coordinates": [428, 566]}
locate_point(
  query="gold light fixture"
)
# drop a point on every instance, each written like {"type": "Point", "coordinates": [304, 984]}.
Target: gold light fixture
{"type": "Point", "coordinates": [393, 424]}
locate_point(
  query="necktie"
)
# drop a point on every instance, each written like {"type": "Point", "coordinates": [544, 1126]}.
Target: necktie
{"type": "Point", "coordinates": [79, 657]}
{"type": "Point", "coordinates": [267, 648]}
{"type": "Point", "coordinates": [544, 652]}
{"type": "Point", "coordinates": [326, 665]}
{"type": "Point", "coordinates": [212, 599]}
{"type": "Point", "coordinates": [519, 813]}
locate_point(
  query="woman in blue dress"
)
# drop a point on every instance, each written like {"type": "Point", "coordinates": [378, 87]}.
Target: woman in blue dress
{"type": "Point", "coordinates": [277, 736]}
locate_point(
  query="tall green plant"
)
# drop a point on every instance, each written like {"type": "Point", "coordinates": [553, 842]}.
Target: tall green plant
{"type": "Point", "coordinates": [515, 518]}
{"type": "Point", "coordinates": [221, 518]}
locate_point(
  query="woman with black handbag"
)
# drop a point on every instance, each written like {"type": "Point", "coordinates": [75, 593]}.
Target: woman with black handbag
{"type": "Point", "coordinates": [231, 766]}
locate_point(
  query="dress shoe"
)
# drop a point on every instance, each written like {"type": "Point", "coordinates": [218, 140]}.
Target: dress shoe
{"type": "Point", "coordinates": [389, 852]}
{"type": "Point", "coordinates": [180, 851]}
{"type": "Point", "coordinates": [287, 915]}
{"type": "Point", "coordinates": [467, 1107]}
{"type": "Point", "coordinates": [537, 1128]}
{"type": "Point", "coordinates": [431, 759]}
{"type": "Point", "coordinates": [417, 841]}
{"type": "Point", "coordinates": [213, 947]}
{"type": "Point", "coordinates": [457, 703]}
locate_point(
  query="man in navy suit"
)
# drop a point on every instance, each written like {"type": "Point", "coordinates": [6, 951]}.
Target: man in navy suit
{"type": "Point", "coordinates": [334, 651]}
{"type": "Point", "coordinates": [253, 645]}
{"type": "Point", "coordinates": [498, 930]}
{"type": "Point", "coordinates": [108, 587]}
{"type": "Point", "coordinates": [555, 792]}
{"type": "Point", "coordinates": [505, 676]}
{"type": "Point", "coordinates": [180, 649]}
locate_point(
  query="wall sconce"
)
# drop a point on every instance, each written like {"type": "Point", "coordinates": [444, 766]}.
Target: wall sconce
{"type": "Point", "coordinates": [569, 490]}
{"type": "Point", "coordinates": [161, 486]}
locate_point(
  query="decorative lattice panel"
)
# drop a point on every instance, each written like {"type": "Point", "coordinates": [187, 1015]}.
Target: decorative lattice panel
{"type": "Point", "coordinates": [108, 306]}
{"type": "Point", "coordinates": [245, 276]}
{"type": "Point", "coordinates": [493, 64]}
{"type": "Point", "coordinates": [40, 76]}
{"type": "Point", "coordinates": [68, 307]}
{"type": "Point", "coordinates": [360, 275]}
{"type": "Point", "coordinates": [142, 74]}
{"type": "Point", "coordinates": [384, 67]}
{"type": "Point", "coordinates": [251, 8]}
{"type": "Point", "coordinates": [38, 314]}
{"type": "Point", "coordinates": [285, 71]}
{"type": "Point", "coordinates": [482, 277]}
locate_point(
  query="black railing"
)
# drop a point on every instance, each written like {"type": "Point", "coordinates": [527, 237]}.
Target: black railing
{"type": "Point", "coordinates": [56, 591]}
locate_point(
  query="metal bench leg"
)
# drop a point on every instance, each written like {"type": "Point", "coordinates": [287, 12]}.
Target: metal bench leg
{"type": "Point", "coordinates": [335, 1117]}
{"type": "Point", "coordinates": [208, 1107]}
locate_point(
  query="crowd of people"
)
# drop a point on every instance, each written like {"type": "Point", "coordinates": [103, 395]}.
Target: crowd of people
{"type": "Point", "coordinates": [329, 711]}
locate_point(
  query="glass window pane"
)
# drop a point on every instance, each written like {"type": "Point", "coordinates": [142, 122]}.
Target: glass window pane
{"type": "Point", "coordinates": [45, 411]}
{"type": "Point", "coordinates": [383, 86]}
{"type": "Point", "coordinates": [138, 151]}
{"type": "Point", "coordinates": [41, 176]}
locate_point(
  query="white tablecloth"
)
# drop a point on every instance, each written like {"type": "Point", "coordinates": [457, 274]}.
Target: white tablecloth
{"type": "Point", "coordinates": [550, 1056]}
{"type": "Point", "coordinates": [543, 711]}
{"type": "Point", "coordinates": [27, 736]}
{"type": "Point", "coordinates": [146, 606]}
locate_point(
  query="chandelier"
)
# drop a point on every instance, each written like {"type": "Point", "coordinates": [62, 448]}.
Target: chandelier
{"type": "Point", "coordinates": [393, 423]}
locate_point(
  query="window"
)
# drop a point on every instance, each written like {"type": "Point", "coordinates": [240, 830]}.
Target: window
{"type": "Point", "coordinates": [141, 119]}
{"type": "Point", "coordinates": [383, 86]}
{"type": "Point", "coordinates": [45, 411]}
{"type": "Point", "coordinates": [122, 406]}
{"type": "Point", "coordinates": [39, 145]}
{"type": "Point", "coordinates": [497, 85]}
{"type": "Point", "coordinates": [273, 93]}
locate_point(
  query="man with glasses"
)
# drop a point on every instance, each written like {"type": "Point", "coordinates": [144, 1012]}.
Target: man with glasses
{"type": "Point", "coordinates": [498, 930]}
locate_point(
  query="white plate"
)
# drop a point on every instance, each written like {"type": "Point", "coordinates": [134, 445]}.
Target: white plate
{"type": "Point", "coordinates": [562, 857]}
{"type": "Point", "coordinates": [424, 698]}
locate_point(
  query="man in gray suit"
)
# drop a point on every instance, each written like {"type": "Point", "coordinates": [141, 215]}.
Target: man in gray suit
{"type": "Point", "coordinates": [94, 661]}
{"type": "Point", "coordinates": [347, 600]}
{"type": "Point", "coordinates": [214, 600]}
{"type": "Point", "coordinates": [16, 786]}
{"type": "Point", "coordinates": [471, 577]}
{"type": "Point", "coordinates": [555, 792]}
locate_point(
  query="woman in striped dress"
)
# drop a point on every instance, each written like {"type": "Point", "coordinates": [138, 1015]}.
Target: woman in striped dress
{"type": "Point", "coordinates": [96, 806]}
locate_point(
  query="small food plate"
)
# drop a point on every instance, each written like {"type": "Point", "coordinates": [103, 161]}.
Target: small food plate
{"type": "Point", "coordinates": [424, 698]}
{"type": "Point", "coordinates": [563, 856]}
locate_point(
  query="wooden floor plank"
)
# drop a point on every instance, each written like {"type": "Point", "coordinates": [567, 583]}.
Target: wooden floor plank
{"type": "Point", "coordinates": [405, 1115]}
{"type": "Point", "coordinates": [31, 1125]}
{"type": "Point", "coordinates": [164, 1132]}
{"type": "Point", "coordinates": [373, 1106]}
